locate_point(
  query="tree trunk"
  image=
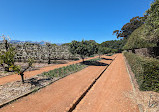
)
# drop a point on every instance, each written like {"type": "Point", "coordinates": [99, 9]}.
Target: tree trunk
{"type": "Point", "coordinates": [49, 59]}
{"type": "Point", "coordinates": [83, 60]}
{"type": "Point", "coordinates": [22, 77]}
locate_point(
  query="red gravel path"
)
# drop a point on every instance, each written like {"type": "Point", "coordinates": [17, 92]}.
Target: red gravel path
{"type": "Point", "coordinates": [112, 91]}
{"type": "Point", "coordinates": [58, 96]}
{"type": "Point", "coordinates": [27, 74]}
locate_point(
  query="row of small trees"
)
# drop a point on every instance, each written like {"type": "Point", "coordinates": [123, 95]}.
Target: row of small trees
{"type": "Point", "coordinates": [84, 49]}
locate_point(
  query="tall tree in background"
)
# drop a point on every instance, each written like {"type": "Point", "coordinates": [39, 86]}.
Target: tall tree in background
{"type": "Point", "coordinates": [128, 28]}
{"type": "Point", "coordinates": [152, 22]}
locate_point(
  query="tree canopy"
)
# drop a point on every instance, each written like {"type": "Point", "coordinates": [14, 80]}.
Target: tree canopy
{"type": "Point", "coordinates": [152, 22]}
{"type": "Point", "coordinates": [128, 28]}
{"type": "Point", "coordinates": [83, 48]}
{"type": "Point", "coordinates": [137, 39]}
{"type": "Point", "coordinates": [114, 44]}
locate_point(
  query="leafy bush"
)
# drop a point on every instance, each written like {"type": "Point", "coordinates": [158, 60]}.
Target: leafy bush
{"type": "Point", "coordinates": [146, 71]}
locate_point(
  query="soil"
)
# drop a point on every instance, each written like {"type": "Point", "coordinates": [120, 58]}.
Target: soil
{"type": "Point", "coordinates": [59, 96]}
{"type": "Point", "coordinates": [12, 90]}
{"type": "Point", "coordinates": [28, 74]}
{"type": "Point", "coordinates": [35, 66]}
{"type": "Point", "coordinates": [112, 93]}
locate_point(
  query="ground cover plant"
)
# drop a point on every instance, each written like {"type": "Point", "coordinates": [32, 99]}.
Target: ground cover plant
{"type": "Point", "coordinates": [146, 71]}
{"type": "Point", "coordinates": [66, 70]}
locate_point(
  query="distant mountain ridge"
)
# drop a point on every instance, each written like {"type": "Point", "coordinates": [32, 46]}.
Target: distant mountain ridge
{"type": "Point", "coordinates": [41, 42]}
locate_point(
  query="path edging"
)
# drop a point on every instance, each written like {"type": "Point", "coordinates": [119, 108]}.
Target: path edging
{"type": "Point", "coordinates": [32, 91]}
{"type": "Point", "coordinates": [140, 106]}
{"type": "Point", "coordinates": [82, 95]}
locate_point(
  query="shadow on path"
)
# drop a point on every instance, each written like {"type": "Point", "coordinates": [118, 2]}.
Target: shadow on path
{"type": "Point", "coordinates": [106, 59]}
{"type": "Point", "coordinates": [94, 63]}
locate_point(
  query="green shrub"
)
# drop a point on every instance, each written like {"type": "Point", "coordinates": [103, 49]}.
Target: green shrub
{"type": "Point", "coordinates": [146, 71]}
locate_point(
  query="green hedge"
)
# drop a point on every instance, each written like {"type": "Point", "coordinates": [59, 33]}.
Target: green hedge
{"type": "Point", "coordinates": [146, 71]}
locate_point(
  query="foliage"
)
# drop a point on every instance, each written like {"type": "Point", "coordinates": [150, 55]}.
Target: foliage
{"type": "Point", "coordinates": [100, 50]}
{"type": "Point", "coordinates": [7, 56]}
{"type": "Point", "coordinates": [63, 71]}
{"type": "Point", "coordinates": [96, 59]}
{"type": "Point", "coordinates": [152, 21]}
{"type": "Point", "coordinates": [137, 39]}
{"type": "Point", "coordinates": [83, 48]}
{"type": "Point", "coordinates": [7, 59]}
{"type": "Point", "coordinates": [113, 44]}
{"type": "Point", "coordinates": [49, 48]}
{"type": "Point", "coordinates": [146, 71]}
{"type": "Point", "coordinates": [20, 71]}
{"type": "Point", "coordinates": [65, 44]}
{"type": "Point", "coordinates": [128, 28]}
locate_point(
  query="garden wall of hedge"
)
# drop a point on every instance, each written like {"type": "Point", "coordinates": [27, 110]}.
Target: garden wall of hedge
{"type": "Point", "coordinates": [146, 71]}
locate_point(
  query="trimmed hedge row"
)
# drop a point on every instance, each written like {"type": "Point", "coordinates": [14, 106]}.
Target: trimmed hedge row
{"type": "Point", "coordinates": [146, 71]}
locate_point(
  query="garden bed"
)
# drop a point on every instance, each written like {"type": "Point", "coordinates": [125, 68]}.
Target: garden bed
{"type": "Point", "coordinates": [13, 90]}
{"type": "Point", "coordinates": [35, 66]}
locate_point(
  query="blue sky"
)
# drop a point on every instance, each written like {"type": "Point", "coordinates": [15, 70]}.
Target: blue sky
{"type": "Point", "coordinates": [61, 21]}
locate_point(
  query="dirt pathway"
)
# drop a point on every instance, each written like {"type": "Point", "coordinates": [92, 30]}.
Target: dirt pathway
{"type": "Point", "coordinates": [58, 96]}
{"type": "Point", "coordinates": [27, 74]}
{"type": "Point", "coordinates": [111, 93]}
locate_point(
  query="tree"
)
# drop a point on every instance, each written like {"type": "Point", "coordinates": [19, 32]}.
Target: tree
{"type": "Point", "coordinates": [128, 28]}
{"type": "Point", "coordinates": [114, 44]}
{"type": "Point", "coordinates": [83, 48]}
{"type": "Point", "coordinates": [100, 50]}
{"type": "Point", "coordinates": [48, 46]}
{"type": "Point", "coordinates": [106, 50]}
{"type": "Point", "coordinates": [152, 22]}
{"type": "Point", "coordinates": [20, 71]}
{"type": "Point", "coordinates": [7, 56]}
{"type": "Point", "coordinates": [7, 60]}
